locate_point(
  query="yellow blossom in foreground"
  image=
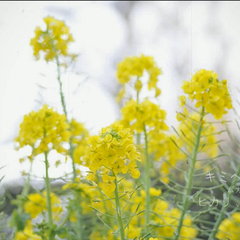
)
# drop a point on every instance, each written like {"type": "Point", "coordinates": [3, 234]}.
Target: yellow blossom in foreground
{"type": "Point", "coordinates": [148, 114]}
{"type": "Point", "coordinates": [230, 228]}
{"type": "Point", "coordinates": [209, 92]}
{"type": "Point", "coordinates": [134, 67]}
{"type": "Point", "coordinates": [44, 130]}
{"type": "Point", "coordinates": [53, 41]}
{"type": "Point", "coordinates": [112, 152]}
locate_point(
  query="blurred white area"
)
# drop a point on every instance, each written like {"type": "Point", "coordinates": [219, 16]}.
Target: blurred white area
{"type": "Point", "coordinates": [182, 36]}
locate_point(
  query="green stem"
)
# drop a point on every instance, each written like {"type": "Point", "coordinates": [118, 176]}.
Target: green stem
{"type": "Point", "coordinates": [119, 212]}
{"type": "Point", "coordinates": [79, 230]}
{"type": "Point", "coordinates": [49, 207]}
{"type": "Point", "coordinates": [147, 184]}
{"type": "Point", "coordinates": [79, 227]}
{"type": "Point", "coordinates": [224, 206]}
{"type": "Point", "coordinates": [65, 112]}
{"type": "Point", "coordinates": [60, 86]}
{"type": "Point", "coordinates": [190, 176]}
{"type": "Point", "coordinates": [73, 164]}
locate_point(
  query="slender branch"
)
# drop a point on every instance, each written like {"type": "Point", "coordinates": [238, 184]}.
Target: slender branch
{"type": "Point", "coordinates": [119, 211]}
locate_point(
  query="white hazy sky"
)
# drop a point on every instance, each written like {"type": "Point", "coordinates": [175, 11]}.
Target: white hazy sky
{"type": "Point", "coordinates": [100, 33]}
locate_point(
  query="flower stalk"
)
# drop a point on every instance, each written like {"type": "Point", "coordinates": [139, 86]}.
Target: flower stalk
{"type": "Point", "coordinates": [119, 211]}
{"type": "Point", "coordinates": [190, 173]}
{"type": "Point", "coordinates": [147, 184]}
{"type": "Point", "coordinates": [48, 192]}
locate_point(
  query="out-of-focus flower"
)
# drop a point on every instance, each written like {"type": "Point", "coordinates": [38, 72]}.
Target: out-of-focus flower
{"type": "Point", "coordinates": [53, 41]}
{"type": "Point", "coordinates": [37, 204]}
{"type": "Point", "coordinates": [27, 233]}
{"type": "Point", "coordinates": [137, 115]}
{"type": "Point", "coordinates": [230, 228]}
{"type": "Point", "coordinates": [134, 67]}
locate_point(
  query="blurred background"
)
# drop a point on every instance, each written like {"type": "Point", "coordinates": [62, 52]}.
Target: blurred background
{"type": "Point", "coordinates": [183, 37]}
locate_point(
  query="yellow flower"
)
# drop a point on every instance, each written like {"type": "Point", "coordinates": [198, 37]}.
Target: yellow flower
{"type": "Point", "coordinates": [182, 100]}
{"type": "Point", "coordinates": [136, 116]}
{"type": "Point", "coordinates": [43, 131]}
{"type": "Point", "coordinates": [132, 231]}
{"type": "Point", "coordinates": [155, 192]}
{"type": "Point", "coordinates": [182, 116]}
{"type": "Point", "coordinates": [209, 92]}
{"type": "Point", "coordinates": [134, 67]}
{"type": "Point", "coordinates": [112, 152]}
{"type": "Point", "coordinates": [230, 228]}
{"type": "Point", "coordinates": [53, 41]}
{"type": "Point", "coordinates": [108, 185]}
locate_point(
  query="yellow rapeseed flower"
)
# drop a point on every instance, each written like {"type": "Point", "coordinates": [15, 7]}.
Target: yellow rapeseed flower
{"type": "Point", "coordinates": [44, 130]}
{"type": "Point", "coordinates": [209, 92]}
{"type": "Point", "coordinates": [53, 41]}
{"type": "Point", "coordinates": [134, 67]}
{"type": "Point", "coordinates": [112, 152]}
{"type": "Point", "coordinates": [137, 115]}
{"type": "Point", "coordinates": [230, 228]}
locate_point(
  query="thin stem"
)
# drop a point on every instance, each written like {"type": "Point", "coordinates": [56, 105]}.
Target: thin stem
{"type": "Point", "coordinates": [65, 112]}
{"type": "Point", "coordinates": [60, 85]}
{"type": "Point", "coordinates": [147, 183]}
{"type": "Point", "coordinates": [119, 211]}
{"type": "Point", "coordinates": [73, 164]}
{"type": "Point", "coordinates": [49, 207]}
{"type": "Point", "coordinates": [190, 173]}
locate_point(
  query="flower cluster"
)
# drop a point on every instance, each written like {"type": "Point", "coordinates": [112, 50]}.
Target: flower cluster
{"type": "Point", "coordinates": [134, 67]}
{"type": "Point", "coordinates": [44, 130]}
{"type": "Point", "coordinates": [112, 152]}
{"type": "Point", "coordinates": [138, 115]}
{"type": "Point", "coordinates": [53, 41]}
{"type": "Point", "coordinates": [209, 92]}
{"type": "Point", "coordinates": [229, 228]}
